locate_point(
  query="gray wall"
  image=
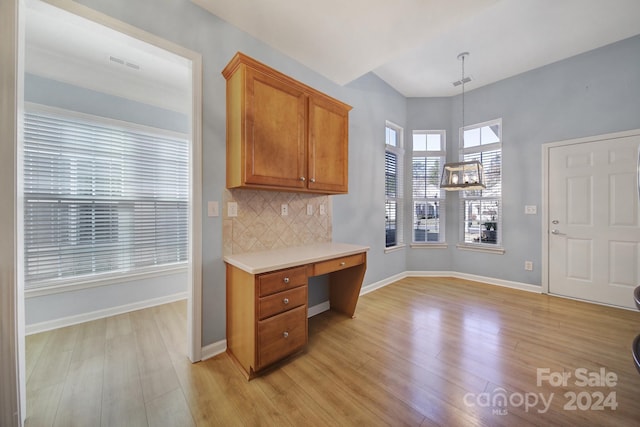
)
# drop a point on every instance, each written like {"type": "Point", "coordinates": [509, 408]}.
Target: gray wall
{"type": "Point", "coordinates": [50, 92]}
{"type": "Point", "coordinates": [593, 93]}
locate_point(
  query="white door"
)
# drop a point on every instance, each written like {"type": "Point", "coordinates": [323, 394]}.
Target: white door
{"type": "Point", "coordinates": [594, 233]}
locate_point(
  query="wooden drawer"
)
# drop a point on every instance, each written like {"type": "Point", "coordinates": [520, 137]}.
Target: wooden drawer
{"type": "Point", "coordinates": [336, 264]}
{"type": "Point", "coordinates": [281, 335]}
{"type": "Point", "coordinates": [281, 302]}
{"type": "Point", "coordinates": [270, 283]}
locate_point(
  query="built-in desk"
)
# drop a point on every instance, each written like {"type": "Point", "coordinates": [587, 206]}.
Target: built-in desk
{"type": "Point", "coordinates": [267, 298]}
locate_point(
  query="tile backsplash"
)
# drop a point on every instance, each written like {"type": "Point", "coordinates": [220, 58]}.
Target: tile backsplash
{"type": "Point", "coordinates": [260, 226]}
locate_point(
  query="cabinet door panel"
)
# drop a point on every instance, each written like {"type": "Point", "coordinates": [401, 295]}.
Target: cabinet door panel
{"type": "Point", "coordinates": [328, 146]}
{"type": "Point", "coordinates": [281, 335]}
{"type": "Point", "coordinates": [275, 149]}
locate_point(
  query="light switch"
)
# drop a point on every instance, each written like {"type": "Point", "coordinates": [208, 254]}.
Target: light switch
{"type": "Point", "coordinates": [232, 209]}
{"type": "Point", "coordinates": [530, 209]}
{"type": "Point", "coordinates": [309, 209]}
{"type": "Point", "coordinates": [212, 209]}
{"type": "Point", "coordinates": [323, 210]}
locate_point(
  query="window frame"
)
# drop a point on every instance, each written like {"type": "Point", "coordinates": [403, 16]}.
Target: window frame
{"type": "Point", "coordinates": [477, 195]}
{"type": "Point", "coordinates": [398, 151]}
{"type": "Point", "coordinates": [440, 199]}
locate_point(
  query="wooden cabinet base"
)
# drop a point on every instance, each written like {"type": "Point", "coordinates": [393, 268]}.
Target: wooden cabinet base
{"type": "Point", "coordinates": [267, 312]}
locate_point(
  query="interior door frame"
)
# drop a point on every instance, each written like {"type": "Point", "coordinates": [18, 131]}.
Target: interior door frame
{"type": "Point", "coordinates": [194, 304]}
{"type": "Point", "coordinates": [546, 153]}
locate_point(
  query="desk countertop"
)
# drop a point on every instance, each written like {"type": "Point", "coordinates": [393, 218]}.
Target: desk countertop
{"type": "Point", "coordinates": [276, 259]}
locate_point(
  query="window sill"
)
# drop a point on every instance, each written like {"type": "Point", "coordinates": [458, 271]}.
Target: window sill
{"type": "Point", "coordinates": [394, 248]}
{"type": "Point", "coordinates": [103, 280]}
{"type": "Point", "coordinates": [481, 248]}
{"type": "Point", "coordinates": [438, 245]}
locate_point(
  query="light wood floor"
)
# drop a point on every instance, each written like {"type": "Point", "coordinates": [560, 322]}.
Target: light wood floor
{"type": "Point", "coordinates": [420, 352]}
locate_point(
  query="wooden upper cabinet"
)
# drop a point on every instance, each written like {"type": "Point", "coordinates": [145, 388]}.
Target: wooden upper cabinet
{"type": "Point", "coordinates": [282, 134]}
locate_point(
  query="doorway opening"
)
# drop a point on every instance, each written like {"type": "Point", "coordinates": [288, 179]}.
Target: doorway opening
{"type": "Point", "coordinates": [80, 62]}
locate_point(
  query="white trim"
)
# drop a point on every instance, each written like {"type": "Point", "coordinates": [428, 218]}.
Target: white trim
{"type": "Point", "coordinates": [318, 308]}
{"type": "Point", "coordinates": [12, 386]}
{"type": "Point", "coordinates": [473, 277]}
{"type": "Point", "coordinates": [499, 282]}
{"type": "Point", "coordinates": [214, 349]}
{"type": "Point", "coordinates": [100, 314]}
{"type": "Point", "coordinates": [425, 245]}
{"type": "Point", "coordinates": [546, 151]}
{"type": "Point", "coordinates": [194, 303]}
{"type": "Point", "coordinates": [382, 283]}
{"type": "Point", "coordinates": [480, 248]}
{"type": "Point", "coordinates": [394, 248]}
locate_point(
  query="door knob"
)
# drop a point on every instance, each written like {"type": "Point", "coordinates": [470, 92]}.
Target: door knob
{"type": "Point", "coordinates": [557, 232]}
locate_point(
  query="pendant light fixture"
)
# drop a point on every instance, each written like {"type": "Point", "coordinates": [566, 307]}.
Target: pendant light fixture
{"type": "Point", "coordinates": [462, 175]}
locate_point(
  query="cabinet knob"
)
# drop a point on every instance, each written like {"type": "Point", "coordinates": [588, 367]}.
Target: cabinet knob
{"type": "Point", "coordinates": [343, 263]}
{"type": "Point", "coordinates": [286, 280]}
{"type": "Point", "coordinates": [286, 300]}
{"type": "Point", "coordinates": [285, 334]}
{"type": "Point", "coordinates": [312, 180]}
{"type": "Point", "coordinates": [302, 178]}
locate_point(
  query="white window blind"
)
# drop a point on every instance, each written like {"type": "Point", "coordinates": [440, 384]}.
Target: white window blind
{"type": "Point", "coordinates": [101, 198]}
{"type": "Point", "coordinates": [393, 185]}
{"type": "Point", "coordinates": [482, 218]}
{"type": "Point", "coordinates": [428, 199]}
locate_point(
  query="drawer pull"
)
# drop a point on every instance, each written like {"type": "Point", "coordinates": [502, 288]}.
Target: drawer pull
{"type": "Point", "coordinates": [285, 334]}
{"type": "Point", "coordinates": [286, 300]}
{"type": "Point", "coordinates": [286, 280]}
{"type": "Point", "coordinates": [343, 263]}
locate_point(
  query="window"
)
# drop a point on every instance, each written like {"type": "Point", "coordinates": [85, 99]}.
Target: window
{"type": "Point", "coordinates": [393, 185]}
{"type": "Point", "coordinates": [428, 200]}
{"type": "Point", "coordinates": [101, 197]}
{"type": "Point", "coordinates": [482, 209]}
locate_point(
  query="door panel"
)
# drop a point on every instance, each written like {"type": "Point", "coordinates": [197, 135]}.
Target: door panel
{"type": "Point", "coordinates": [328, 146]}
{"type": "Point", "coordinates": [276, 141]}
{"type": "Point", "coordinates": [594, 233]}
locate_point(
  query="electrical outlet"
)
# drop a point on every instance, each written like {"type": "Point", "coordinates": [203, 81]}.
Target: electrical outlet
{"type": "Point", "coordinates": [323, 210]}
{"type": "Point", "coordinates": [528, 265]}
{"type": "Point", "coordinates": [530, 209]}
{"type": "Point", "coordinates": [309, 209]}
{"type": "Point", "coordinates": [284, 209]}
{"type": "Point", "coordinates": [232, 209]}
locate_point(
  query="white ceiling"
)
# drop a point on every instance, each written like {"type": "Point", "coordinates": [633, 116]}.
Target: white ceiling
{"type": "Point", "coordinates": [71, 49]}
{"type": "Point", "coordinates": [413, 44]}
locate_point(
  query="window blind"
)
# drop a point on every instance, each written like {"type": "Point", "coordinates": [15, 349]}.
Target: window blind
{"type": "Point", "coordinates": [101, 198]}
{"type": "Point", "coordinates": [482, 218]}
{"type": "Point", "coordinates": [391, 193]}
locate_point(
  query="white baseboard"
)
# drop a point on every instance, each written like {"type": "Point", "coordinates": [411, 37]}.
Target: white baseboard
{"type": "Point", "coordinates": [214, 349]}
{"type": "Point", "coordinates": [382, 283]}
{"type": "Point", "coordinates": [100, 314]}
{"type": "Point", "coordinates": [488, 280]}
{"type": "Point", "coordinates": [318, 308]}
